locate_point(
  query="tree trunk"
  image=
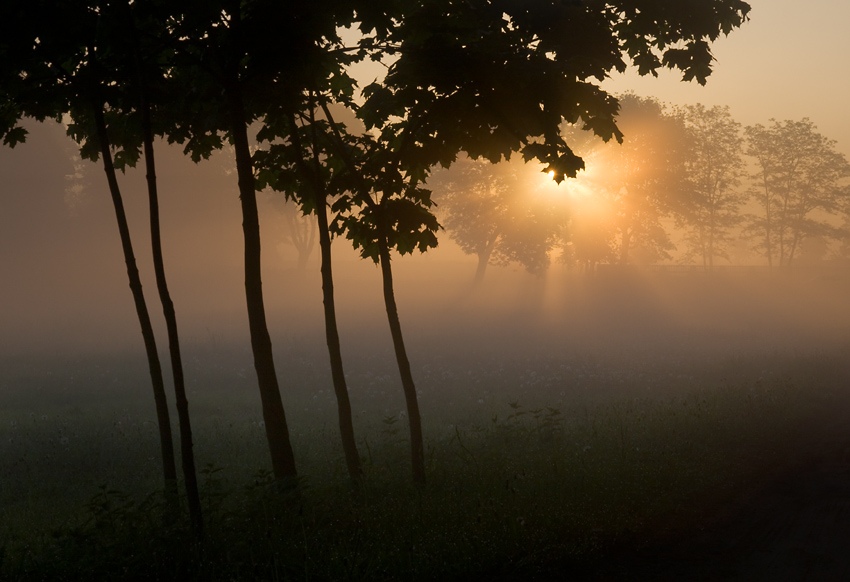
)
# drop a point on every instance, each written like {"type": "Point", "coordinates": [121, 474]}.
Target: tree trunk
{"type": "Point", "coordinates": [169, 469]}
{"type": "Point", "coordinates": [187, 454]}
{"type": "Point", "coordinates": [624, 248]}
{"type": "Point", "coordinates": [346, 424]}
{"type": "Point", "coordinates": [186, 450]}
{"type": "Point", "coordinates": [277, 432]}
{"type": "Point", "coordinates": [417, 448]}
{"type": "Point", "coordinates": [483, 260]}
{"type": "Point", "coordinates": [768, 218]}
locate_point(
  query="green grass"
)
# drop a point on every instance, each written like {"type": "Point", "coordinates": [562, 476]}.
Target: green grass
{"type": "Point", "coordinates": [533, 465]}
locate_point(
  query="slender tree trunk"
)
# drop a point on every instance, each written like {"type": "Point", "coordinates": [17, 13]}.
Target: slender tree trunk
{"type": "Point", "coordinates": [313, 178]}
{"type": "Point", "coordinates": [346, 424]}
{"type": "Point", "coordinates": [417, 448]}
{"type": "Point", "coordinates": [277, 432]}
{"type": "Point", "coordinates": [187, 454]}
{"type": "Point", "coordinates": [169, 469]}
{"type": "Point", "coordinates": [186, 450]}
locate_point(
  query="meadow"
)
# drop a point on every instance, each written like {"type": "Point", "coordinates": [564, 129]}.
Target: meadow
{"type": "Point", "coordinates": [538, 461]}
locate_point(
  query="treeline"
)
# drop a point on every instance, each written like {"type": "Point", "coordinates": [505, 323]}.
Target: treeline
{"type": "Point", "coordinates": [271, 80]}
{"type": "Point", "coordinates": [772, 191]}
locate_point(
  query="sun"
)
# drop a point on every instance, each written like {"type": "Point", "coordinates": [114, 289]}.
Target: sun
{"type": "Point", "coordinates": [577, 187]}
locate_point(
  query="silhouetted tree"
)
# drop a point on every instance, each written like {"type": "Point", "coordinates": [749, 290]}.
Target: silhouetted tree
{"type": "Point", "coordinates": [493, 78]}
{"type": "Point", "coordinates": [800, 179]}
{"type": "Point", "coordinates": [234, 64]}
{"type": "Point", "coordinates": [709, 206]}
{"type": "Point", "coordinates": [303, 169]}
{"type": "Point", "coordinates": [387, 210]}
{"type": "Point", "coordinates": [144, 61]}
{"type": "Point", "coordinates": [54, 67]}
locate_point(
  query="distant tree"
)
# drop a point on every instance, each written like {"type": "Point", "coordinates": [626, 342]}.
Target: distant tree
{"type": "Point", "coordinates": [801, 180]}
{"type": "Point", "coordinates": [299, 230]}
{"type": "Point", "coordinates": [709, 206]}
{"type": "Point", "coordinates": [639, 180]}
{"type": "Point", "coordinates": [499, 213]}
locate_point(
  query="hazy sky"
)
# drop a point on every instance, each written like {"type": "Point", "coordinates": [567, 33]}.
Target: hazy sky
{"type": "Point", "coordinates": [788, 62]}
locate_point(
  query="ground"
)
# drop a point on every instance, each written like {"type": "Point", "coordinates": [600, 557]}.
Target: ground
{"type": "Point", "coordinates": [794, 524]}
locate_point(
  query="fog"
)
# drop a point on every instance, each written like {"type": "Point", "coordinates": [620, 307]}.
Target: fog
{"type": "Point", "coordinates": [64, 288]}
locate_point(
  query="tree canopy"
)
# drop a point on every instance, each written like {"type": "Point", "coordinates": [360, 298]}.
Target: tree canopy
{"type": "Point", "coordinates": [799, 174]}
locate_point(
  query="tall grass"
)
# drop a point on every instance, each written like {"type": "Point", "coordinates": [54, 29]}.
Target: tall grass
{"type": "Point", "coordinates": [533, 465]}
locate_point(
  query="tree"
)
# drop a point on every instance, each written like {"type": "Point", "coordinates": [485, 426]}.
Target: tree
{"type": "Point", "coordinates": [500, 213]}
{"type": "Point", "coordinates": [146, 77]}
{"type": "Point", "coordinates": [491, 78]}
{"type": "Point", "coordinates": [800, 180]}
{"type": "Point", "coordinates": [267, 62]}
{"type": "Point", "coordinates": [234, 62]}
{"type": "Point", "coordinates": [302, 167]}
{"type": "Point", "coordinates": [709, 207]}
{"type": "Point", "coordinates": [299, 230]}
{"type": "Point", "coordinates": [495, 77]}
{"type": "Point", "coordinates": [635, 182]}
{"type": "Point", "coordinates": [590, 235]}
{"type": "Point", "coordinates": [53, 67]}
{"type": "Point", "coordinates": [388, 209]}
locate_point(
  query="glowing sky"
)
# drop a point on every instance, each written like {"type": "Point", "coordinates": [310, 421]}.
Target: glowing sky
{"type": "Point", "coordinates": [788, 62]}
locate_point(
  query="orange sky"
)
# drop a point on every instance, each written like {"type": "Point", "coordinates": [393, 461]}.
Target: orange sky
{"type": "Point", "coordinates": [788, 62]}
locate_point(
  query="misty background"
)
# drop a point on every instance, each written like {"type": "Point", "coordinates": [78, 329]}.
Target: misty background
{"type": "Point", "coordinates": [63, 289]}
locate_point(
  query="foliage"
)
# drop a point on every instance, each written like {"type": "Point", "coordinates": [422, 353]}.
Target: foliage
{"type": "Point", "coordinates": [493, 78]}
{"type": "Point", "coordinates": [709, 206]}
{"type": "Point", "coordinates": [800, 179]}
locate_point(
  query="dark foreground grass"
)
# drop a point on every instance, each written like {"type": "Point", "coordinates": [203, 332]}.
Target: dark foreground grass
{"type": "Point", "coordinates": [514, 491]}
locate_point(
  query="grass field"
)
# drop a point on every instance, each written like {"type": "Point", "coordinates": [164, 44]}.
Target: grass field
{"type": "Point", "coordinates": [535, 464]}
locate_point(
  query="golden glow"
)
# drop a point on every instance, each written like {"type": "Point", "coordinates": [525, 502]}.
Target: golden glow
{"type": "Point", "coordinates": [584, 195]}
